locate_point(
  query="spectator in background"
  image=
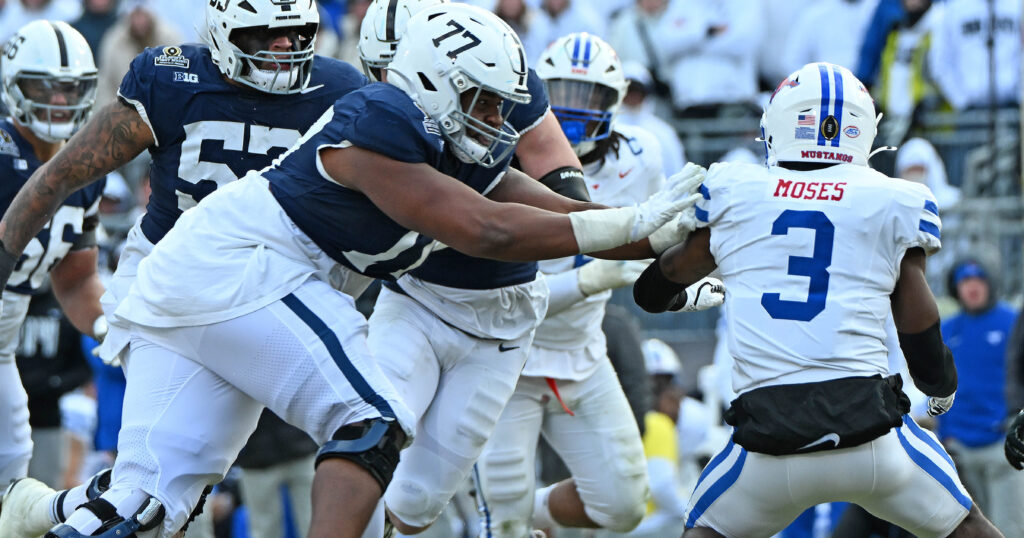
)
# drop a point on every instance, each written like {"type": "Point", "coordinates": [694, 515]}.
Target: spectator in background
{"type": "Point", "coordinates": [666, 507]}
{"type": "Point", "coordinates": [533, 29]}
{"type": "Point", "coordinates": [138, 27]}
{"type": "Point", "coordinates": [637, 109]}
{"type": "Point", "coordinates": [714, 57]}
{"type": "Point", "coordinates": [973, 430]}
{"type": "Point", "coordinates": [98, 16]}
{"type": "Point", "coordinates": [813, 38]}
{"type": "Point", "coordinates": [563, 17]}
{"type": "Point", "coordinates": [17, 13]}
{"type": "Point", "coordinates": [51, 364]}
{"type": "Point", "coordinates": [633, 33]}
{"type": "Point", "coordinates": [960, 56]}
{"type": "Point", "coordinates": [347, 48]}
{"type": "Point", "coordinates": [277, 456]}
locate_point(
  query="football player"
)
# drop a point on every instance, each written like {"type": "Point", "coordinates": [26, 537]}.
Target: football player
{"type": "Point", "coordinates": [568, 361]}
{"type": "Point", "coordinates": [816, 249]}
{"type": "Point", "coordinates": [248, 301]}
{"type": "Point", "coordinates": [48, 84]}
{"type": "Point", "coordinates": [206, 114]}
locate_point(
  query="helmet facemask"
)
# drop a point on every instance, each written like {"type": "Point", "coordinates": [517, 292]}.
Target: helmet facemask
{"type": "Point", "coordinates": [53, 107]}
{"type": "Point", "coordinates": [584, 110]}
{"type": "Point", "coordinates": [270, 71]}
{"type": "Point", "coordinates": [475, 140]}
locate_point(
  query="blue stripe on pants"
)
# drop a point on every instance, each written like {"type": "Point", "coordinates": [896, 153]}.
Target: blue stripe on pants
{"type": "Point", "coordinates": [333, 345]}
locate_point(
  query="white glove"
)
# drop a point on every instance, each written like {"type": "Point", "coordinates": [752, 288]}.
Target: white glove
{"type": "Point", "coordinates": [703, 294]}
{"type": "Point", "coordinates": [675, 231]}
{"type": "Point", "coordinates": [679, 193]}
{"type": "Point", "coordinates": [600, 275]}
{"type": "Point", "coordinates": [601, 229]}
{"type": "Point", "coordinates": [938, 406]}
{"type": "Point", "coordinates": [99, 332]}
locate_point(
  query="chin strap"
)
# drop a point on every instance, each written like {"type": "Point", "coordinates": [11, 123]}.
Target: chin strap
{"type": "Point", "coordinates": [881, 149]}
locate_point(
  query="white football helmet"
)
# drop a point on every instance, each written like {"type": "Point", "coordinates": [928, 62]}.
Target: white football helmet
{"type": "Point", "coordinates": [585, 84]}
{"type": "Point", "coordinates": [820, 113]}
{"type": "Point", "coordinates": [450, 56]}
{"type": "Point", "coordinates": [660, 358]}
{"type": "Point", "coordinates": [239, 35]}
{"type": "Point", "coordinates": [381, 29]}
{"type": "Point", "coordinates": [49, 79]}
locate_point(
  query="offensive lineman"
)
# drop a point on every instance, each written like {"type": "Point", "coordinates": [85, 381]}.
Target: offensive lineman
{"type": "Point", "coordinates": [207, 115]}
{"type": "Point", "coordinates": [816, 249]}
{"type": "Point", "coordinates": [334, 212]}
{"type": "Point", "coordinates": [48, 83]}
{"type": "Point", "coordinates": [598, 437]}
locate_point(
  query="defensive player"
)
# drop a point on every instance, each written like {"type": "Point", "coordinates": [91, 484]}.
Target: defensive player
{"type": "Point", "coordinates": [815, 250]}
{"type": "Point", "coordinates": [207, 115]}
{"type": "Point", "coordinates": [568, 361]}
{"type": "Point", "coordinates": [267, 315]}
{"type": "Point", "coordinates": [48, 85]}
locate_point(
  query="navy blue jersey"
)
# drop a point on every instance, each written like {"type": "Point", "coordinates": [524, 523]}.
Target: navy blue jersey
{"type": "Point", "coordinates": [345, 223]}
{"type": "Point", "coordinates": [64, 229]}
{"type": "Point", "coordinates": [210, 132]}
{"type": "Point", "coordinates": [454, 269]}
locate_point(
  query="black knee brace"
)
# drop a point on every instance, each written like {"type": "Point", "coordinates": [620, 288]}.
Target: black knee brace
{"type": "Point", "coordinates": [113, 525]}
{"type": "Point", "coordinates": [373, 445]}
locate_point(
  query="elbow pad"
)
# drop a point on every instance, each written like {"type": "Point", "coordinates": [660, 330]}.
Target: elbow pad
{"type": "Point", "coordinates": [567, 181]}
{"type": "Point", "coordinates": [655, 293]}
{"type": "Point", "coordinates": [929, 361]}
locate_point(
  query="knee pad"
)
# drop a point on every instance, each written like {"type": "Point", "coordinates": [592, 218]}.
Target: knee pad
{"type": "Point", "coordinates": [373, 445]}
{"type": "Point", "coordinates": [113, 525]}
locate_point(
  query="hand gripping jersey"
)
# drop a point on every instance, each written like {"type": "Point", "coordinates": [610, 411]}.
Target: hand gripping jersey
{"type": "Point", "coordinates": [259, 238]}
{"type": "Point", "coordinates": [625, 178]}
{"type": "Point", "coordinates": [810, 260]}
{"type": "Point", "coordinates": [58, 237]}
{"type": "Point", "coordinates": [209, 132]}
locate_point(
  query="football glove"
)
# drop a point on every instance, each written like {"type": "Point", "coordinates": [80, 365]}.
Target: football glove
{"type": "Point", "coordinates": [938, 406]}
{"type": "Point", "coordinates": [703, 294]}
{"type": "Point", "coordinates": [1014, 445]}
{"type": "Point", "coordinates": [600, 275]}
{"type": "Point", "coordinates": [99, 332]}
{"type": "Point", "coordinates": [675, 231]}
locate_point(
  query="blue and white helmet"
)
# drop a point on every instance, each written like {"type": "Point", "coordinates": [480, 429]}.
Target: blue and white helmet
{"type": "Point", "coordinates": [454, 51]}
{"type": "Point", "coordinates": [585, 84]}
{"type": "Point", "coordinates": [820, 113]}
{"type": "Point", "coordinates": [660, 358]}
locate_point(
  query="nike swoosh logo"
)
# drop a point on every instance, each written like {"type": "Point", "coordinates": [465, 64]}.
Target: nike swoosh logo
{"type": "Point", "coordinates": [834, 437]}
{"type": "Point", "coordinates": [624, 174]}
{"type": "Point", "coordinates": [502, 348]}
{"type": "Point", "coordinates": [311, 88]}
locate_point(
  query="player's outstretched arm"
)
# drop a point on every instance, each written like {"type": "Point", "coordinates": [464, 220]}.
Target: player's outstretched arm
{"type": "Point", "coordinates": [111, 138]}
{"type": "Point", "coordinates": [666, 283]}
{"type": "Point", "coordinates": [917, 324]}
{"type": "Point", "coordinates": [422, 199]}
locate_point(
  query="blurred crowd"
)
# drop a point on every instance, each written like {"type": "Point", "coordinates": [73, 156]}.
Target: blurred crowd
{"type": "Point", "coordinates": [685, 60]}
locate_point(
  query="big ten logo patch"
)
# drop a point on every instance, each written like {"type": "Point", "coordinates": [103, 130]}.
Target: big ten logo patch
{"type": "Point", "coordinates": [180, 76]}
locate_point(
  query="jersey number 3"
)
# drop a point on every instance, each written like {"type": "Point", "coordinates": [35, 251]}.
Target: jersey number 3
{"type": "Point", "coordinates": [814, 267]}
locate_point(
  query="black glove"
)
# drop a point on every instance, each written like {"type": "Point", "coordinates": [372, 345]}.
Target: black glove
{"type": "Point", "coordinates": [1014, 445]}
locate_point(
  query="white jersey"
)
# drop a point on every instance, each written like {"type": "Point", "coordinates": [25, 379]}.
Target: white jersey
{"type": "Point", "coordinates": [810, 260]}
{"type": "Point", "coordinates": [625, 178]}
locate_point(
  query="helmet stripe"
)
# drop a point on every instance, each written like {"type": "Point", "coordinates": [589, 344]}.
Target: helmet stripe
{"type": "Point", "coordinates": [576, 51]}
{"type": "Point", "coordinates": [61, 45]}
{"type": "Point", "coordinates": [586, 52]}
{"type": "Point", "coordinates": [839, 106]}
{"type": "Point", "coordinates": [825, 94]}
{"type": "Point", "coordinates": [389, 25]}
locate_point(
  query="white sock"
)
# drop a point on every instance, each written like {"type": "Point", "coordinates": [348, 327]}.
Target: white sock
{"type": "Point", "coordinates": [542, 518]}
{"type": "Point", "coordinates": [66, 502]}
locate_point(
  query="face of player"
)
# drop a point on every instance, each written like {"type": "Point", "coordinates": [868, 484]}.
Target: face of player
{"type": "Point", "coordinates": [57, 93]}
{"type": "Point", "coordinates": [486, 108]}
{"type": "Point", "coordinates": [283, 40]}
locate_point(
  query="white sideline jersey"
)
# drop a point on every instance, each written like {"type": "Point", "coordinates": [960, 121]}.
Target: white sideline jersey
{"type": "Point", "coordinates": [625, 178]}
{"type": "Point", "coordinates": [809, 259]}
